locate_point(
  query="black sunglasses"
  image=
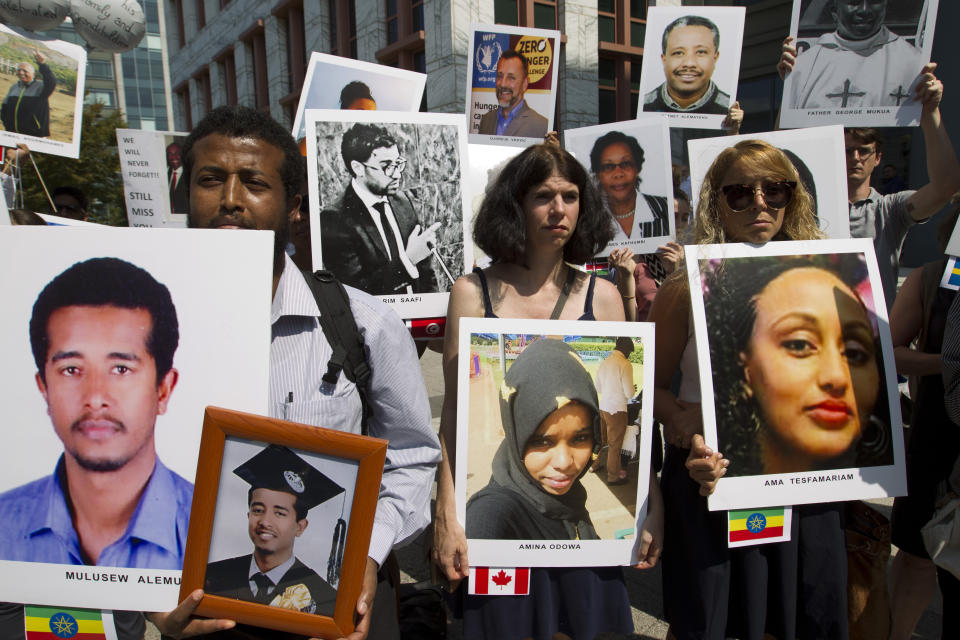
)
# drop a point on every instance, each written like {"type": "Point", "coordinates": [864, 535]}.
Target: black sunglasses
{"type": "Point", "coordinates": [777, 195]}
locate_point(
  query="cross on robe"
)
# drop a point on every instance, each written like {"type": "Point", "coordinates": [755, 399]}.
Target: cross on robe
{"type": "Point", "coordinates": [899, 95]}
{"type": "Point", "coordinates": [846, 93]}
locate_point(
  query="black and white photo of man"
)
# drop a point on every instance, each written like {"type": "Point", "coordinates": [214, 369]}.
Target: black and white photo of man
{"type": "Point", "coordinates": [372, 238]}
{"type": "Point", "coordinates": [861, 63]}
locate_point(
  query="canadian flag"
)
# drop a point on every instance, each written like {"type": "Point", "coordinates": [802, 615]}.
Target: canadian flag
{"type": "Point", "coordinates": [499, 581]}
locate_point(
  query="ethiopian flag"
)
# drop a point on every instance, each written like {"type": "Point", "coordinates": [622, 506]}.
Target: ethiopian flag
{"type": "Point", "coordinates": [755, 526]}
{"type": "Point", "coordinates": [53, 623]}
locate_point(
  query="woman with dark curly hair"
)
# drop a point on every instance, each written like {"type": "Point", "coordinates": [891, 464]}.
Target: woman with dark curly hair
{"type": "Point", "coordinates": [795, 589]}
{"type": "Point", "coordinates": [796, 366]}
{"type": "Point", "coordinates": [540, 214]}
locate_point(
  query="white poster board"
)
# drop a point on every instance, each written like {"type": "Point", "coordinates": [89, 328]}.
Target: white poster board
{"type": "Point", "coordinates": [797, 375]}
{"type": "Point", "coordinates": [817, 154]}
{"type": "Point", "coordinates": [857, 66]}
{"type": "Point", "coordinates": [221, 358]}
{"type": "Point", "coordinates": [693, 63]}
{"type": "Point", "coordinates": [488, 349]}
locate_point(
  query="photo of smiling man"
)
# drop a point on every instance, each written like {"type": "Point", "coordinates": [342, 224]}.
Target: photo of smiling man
{"type": "Point", "coordinates": [691, 47]}
{"type": "Point", "coordinates": [700, 57]}
{"type": "Point", "coordinates": [103, 335]}
{"type": "Point", "coordinates": [283, 489]}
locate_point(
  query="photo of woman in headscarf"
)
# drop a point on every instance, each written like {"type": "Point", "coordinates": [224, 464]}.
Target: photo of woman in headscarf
{"type": "Point", "coordinates": [551, 423]}
{"type": "Point", "coordinates": [796, 360]}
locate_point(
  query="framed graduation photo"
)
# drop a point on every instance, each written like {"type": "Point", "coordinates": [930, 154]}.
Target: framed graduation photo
{"type": "Point", "coordinates": [857, 62]}
{"type": "Point", "coordinates": [797, 372]}
{"type": "Point", "coordinates": [699, 54]}
{"type": "Point", "coordinates": [554, 429]}
{"type": "Point", "coordinates": [282, 518]}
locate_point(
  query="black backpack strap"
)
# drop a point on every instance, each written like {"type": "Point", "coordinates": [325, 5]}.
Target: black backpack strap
{"type": "Point", "coordinates": [340, 328]}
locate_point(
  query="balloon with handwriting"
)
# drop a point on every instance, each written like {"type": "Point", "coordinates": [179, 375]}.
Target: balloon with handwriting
{"type": "Point", "coordinates": [109, 25]}
{"type": "Point", "coordinates": [34, 15]}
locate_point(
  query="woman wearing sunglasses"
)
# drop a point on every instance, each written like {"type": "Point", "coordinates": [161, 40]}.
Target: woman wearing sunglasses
{"type": "Point", "coordinates": [794, 589]}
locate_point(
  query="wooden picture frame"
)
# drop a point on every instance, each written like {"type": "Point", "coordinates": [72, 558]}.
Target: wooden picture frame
{"type": "Point", "coordinates": [368, 453]}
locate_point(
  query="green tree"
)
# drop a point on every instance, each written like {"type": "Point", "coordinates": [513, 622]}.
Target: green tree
{"type": "Point", "coordinates": [96, 172]}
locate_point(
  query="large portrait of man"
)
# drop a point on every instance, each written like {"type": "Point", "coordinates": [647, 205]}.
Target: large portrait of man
{"type": "Point", "coordinates": [700, 57]}
{"type": "Point", "coordinates": [387, 202]}
{"type": "Point", "coordinates": [111, 353]}
{"type": "Point", "coordinates": [372, 239]}
{"type": "Point", "coordinates": [103, 335]}
{"type": "Point", "coordinates": [510, 86]}
{"type": "Point", "coordinates": [857, 55]}
{"type": "Point", "coordinates": [41, 92]}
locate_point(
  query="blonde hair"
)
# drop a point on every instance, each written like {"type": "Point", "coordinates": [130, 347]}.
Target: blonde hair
{"type": "Point", "coordinates": [799, 221]}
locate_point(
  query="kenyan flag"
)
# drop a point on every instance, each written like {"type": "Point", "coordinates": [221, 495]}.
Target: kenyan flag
{"type": "Point", "coordinates": [56, 623]}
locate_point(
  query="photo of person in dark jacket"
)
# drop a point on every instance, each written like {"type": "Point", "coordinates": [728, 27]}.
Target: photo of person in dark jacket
{"type": "Point", "coordinates": [26, 108]}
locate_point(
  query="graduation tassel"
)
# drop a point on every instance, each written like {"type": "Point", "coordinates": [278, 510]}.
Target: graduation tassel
{"type": "Point", "coordinates": [335, 563]}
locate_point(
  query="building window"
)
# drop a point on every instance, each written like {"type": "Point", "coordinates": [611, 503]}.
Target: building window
{"type": "Point", "coordinates": [181, 33]}
{"type": "Point", "coordinates": [183, 101]}
{"type": "Point", "coordinates": [541, 14]}
{"type": "Point", "coordinates": [256, 46]}
{"type": "Point", "coordinates": [100, 69]}
{"type": "Point", "coordinates": [201, 14]}
{"type": "Point", "coordinates": [206, 93]}
{"type": "Point", "coordinates": [292, 14]}
{"type": "Point", "coordinates": [343, 28]}
{"type": "Point", "coordinates": [227, 67]}
{"type": "Point", "coordinates": [106, 97]}
{"type": "Point", "coordinates": [621, 26]}
{"type": "Point", "coordinates": [405, 36]}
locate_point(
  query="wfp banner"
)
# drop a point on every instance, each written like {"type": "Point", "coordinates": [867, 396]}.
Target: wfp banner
{"type": "Point", "coordinates": [532, 81]}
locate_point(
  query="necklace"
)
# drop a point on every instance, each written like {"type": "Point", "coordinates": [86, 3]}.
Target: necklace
{"type": "Point", "coordinates": [624, 216]}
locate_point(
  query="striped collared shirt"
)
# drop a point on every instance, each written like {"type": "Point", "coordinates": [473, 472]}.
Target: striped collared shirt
{"type": "Point", "coordinates": [299, 353]}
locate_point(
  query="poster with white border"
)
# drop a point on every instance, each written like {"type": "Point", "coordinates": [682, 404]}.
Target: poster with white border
{"type": "Point", "coordinates": [541, 49]}
{"type": "Point", "coordinates": [645, 187]}
{"type": "Point", "coordinates": [486, 163]}
{"type": "Point", "coordinates": [154, 185]}
{"type": "Point", "coordinates": [819, 157]}
{"type": "Point", "coordinates": [865, 79]}
{"type": "Point", "coordinates": [326, 87]}
{"type": "Point", "coordinates": [703, 76]}
{"type": "Point", "coordinates": [427, 192]}
{"type": "Point", "coordinates": [222, 358]}
{"type": "Point", "coordinates": [488, 346]}
{"type": "Point", "coordinates": [805, 405]}
{"type": "Point", "coordinates": [66, 64]}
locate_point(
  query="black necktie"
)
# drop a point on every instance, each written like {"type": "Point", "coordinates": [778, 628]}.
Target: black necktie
{"type": "Point", "coordinates": [263, 585]}
{"type": "Point", "coordinates": [392, 247]}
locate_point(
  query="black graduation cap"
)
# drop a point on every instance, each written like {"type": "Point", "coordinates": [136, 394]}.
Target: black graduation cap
{"type": "Point", "coordinates": [280, 469]}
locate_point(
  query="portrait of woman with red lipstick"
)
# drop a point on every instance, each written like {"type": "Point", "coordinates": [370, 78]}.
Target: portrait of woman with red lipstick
{"type": "Point", "coordinates": [551, 424]}
{"type": "Point", "coordinates": [798, 383]}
